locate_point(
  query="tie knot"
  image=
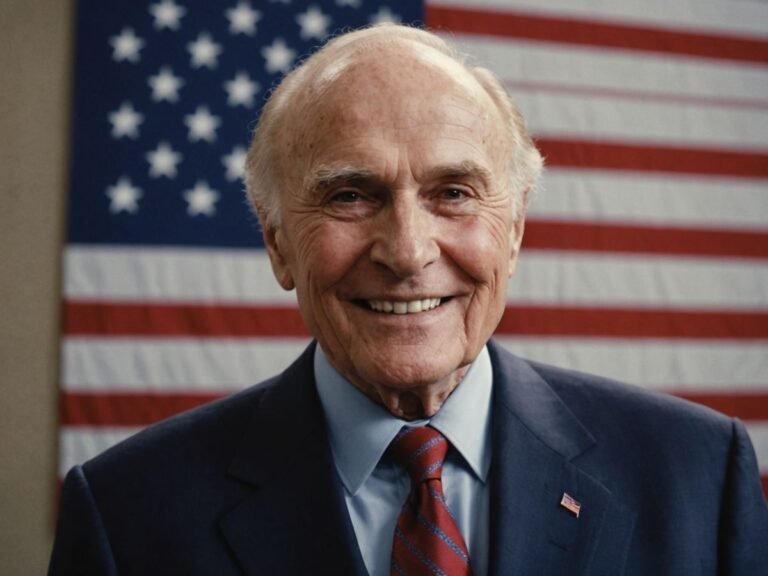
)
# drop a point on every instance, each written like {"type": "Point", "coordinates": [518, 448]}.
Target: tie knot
{"type": "Point", "coordinates": [420, 450]}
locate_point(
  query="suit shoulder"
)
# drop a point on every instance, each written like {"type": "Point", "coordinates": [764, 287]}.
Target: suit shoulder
{"type": "Point", "coordinates": [579, 389]}
{"type": "Point", "coordinates": [207, 437]}
{"type": "Point", "coordinates": [647, 445]}
{"type": "Point", "coordinates": [627, 415]}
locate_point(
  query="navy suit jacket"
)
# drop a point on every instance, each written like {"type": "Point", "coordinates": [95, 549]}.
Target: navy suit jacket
{"type": "Point", "coordinates": [247, 485]}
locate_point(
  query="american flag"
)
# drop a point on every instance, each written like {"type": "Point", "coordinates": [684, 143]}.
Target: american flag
{"type": "Point", "coordinates": [645, 256]}
{"type": "Point", "coordinates": [569, 503]}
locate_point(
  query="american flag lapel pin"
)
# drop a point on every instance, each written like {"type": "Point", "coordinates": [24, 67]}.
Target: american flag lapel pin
{"type": "Point", "coordinates": [570, 504]}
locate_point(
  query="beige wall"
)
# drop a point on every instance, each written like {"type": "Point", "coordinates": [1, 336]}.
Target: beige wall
{"type": "Point", "coordinates": [35, 53]}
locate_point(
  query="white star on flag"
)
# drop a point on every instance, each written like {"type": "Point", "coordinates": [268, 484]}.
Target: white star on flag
{"type": "Point", "coordinates": [243, 19]}
{"type": "Point", "coordinates": [313, 23]}
{"type": "Point", "coordinates": [202, 125]}
{"type": "Point", "coordinates": [126, 46]}
{"type": "Point", "coordinates": [353, 3]}
{"type": "Point", "coordinates": [235, 163]}
{"type": "Point", "coordinates": [125, 121]}
{"type": "Point", "coordinates": [167, 14]}
{"type": "Point", "coordinates": [278, 56]}
{"type": "Point", "coordinates": [165, 86]}
{"type": "Point", "coordinates": [241, 90]}
{"type": "Point", "coordinates": [384, 16]}
{"type": "Point", "coordinates": [163, 161]}
{"type": "Point", "coordinates": [201, 200]}
{"type": "Point", "coordinates": [124, 197]}
{"type": "Point", "coordinates": [205, 52]}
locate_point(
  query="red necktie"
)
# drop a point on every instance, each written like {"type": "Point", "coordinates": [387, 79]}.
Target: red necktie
{"type": "Point", "coordinates": [427, 540]}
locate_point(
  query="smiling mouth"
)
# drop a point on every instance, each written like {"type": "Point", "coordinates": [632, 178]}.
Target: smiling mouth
{"type": "Point", "coordinates": [403, 307]}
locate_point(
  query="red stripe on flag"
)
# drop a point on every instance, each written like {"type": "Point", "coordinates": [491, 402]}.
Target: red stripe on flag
{"type": "Point", "coordinates": [595, 237]}
{"type": "Point", "coordinates": [188, 320]}
{"type": "Point", "coordinates": [634, 94]}
{"type": "Point", "coordinates": [142, 409]}
{"type": "Point", "coordinates": [181, 320]}
{"type": "Point", "coordinates": [588, 154]}
{"type": "Point", "coordinates": [744, 405]}
{"type": "Point", "coordinates": [126, 409]}
{"type": "Point", "coordinates": [581, 32]}
{"type": "Point", "coordinates": [764, 480]}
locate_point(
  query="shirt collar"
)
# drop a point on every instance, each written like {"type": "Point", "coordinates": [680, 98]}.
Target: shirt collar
{"type": "Point", "coordinates": [360, 430]}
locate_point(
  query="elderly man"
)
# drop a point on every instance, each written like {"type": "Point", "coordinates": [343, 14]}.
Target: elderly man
{"type": "Point", "coordinates": [391, 180]}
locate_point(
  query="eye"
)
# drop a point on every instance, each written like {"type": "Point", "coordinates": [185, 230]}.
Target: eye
{"type": "Point", "coordinates": [453, 193]}
{"type": "Point", "coordinates": [454, 199]}
{"type": "Point", "coordinates": [346, 196]}
{"type": "Point", "coordinates": [350, 203]}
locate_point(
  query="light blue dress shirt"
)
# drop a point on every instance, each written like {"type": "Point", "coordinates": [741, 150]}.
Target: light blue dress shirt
{"type": "Point", "coordinates": [376, 488]}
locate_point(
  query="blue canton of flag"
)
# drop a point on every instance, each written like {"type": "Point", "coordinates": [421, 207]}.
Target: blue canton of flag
{"type": "Point", "coordinates": [166, 96]}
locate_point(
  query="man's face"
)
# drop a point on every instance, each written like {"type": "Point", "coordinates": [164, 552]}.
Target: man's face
{"type": "Point", "coordinates": [397, 229]}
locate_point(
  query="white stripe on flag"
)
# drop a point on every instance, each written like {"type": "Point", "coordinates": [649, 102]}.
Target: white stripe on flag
{"type": "Point", "coordinates": [637, 282]}
{"type": "Point", "coordinates": [656, 364]}
{"type": "Point", "coordinates": [76, 445]}
{"type": "Point", "coordinates": [543, 277]}
{"type": "Point", "coordinates": [227, 365]}
{"type": "Point", "coordinates": [758, 432]}
{"type": "Point", "coordinates": [217, 365]}
{"type": "Point", "coordinates": [639, 121]}
{"type": "Point", "coordinates": [680, 201]}
{"type": "Point", "coordinates": [558, 65]}
{"type": "Point", "coordinates": [167, 274]}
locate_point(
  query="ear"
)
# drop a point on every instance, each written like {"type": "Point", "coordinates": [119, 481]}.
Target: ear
{"type": "Point", "coordinates": [275, 242]}
{"type": "Point", "coordinates": [516, 240]}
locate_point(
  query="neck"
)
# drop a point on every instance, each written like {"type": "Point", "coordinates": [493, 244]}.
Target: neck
{"type": "Point", "coordinates": [413, 402]}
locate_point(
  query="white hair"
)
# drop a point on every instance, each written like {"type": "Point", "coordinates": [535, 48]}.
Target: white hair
{"type": "Point", "coordinates": [315, 74]}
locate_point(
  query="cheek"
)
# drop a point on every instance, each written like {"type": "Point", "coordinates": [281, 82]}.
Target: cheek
{"type": "Point", "coordinates": [481, 249]}
{"type": "Point", "coordinates": [326, 255]}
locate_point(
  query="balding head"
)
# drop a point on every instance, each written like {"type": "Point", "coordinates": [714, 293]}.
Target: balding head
{"type": "Point", "coordinates": [274, 157]}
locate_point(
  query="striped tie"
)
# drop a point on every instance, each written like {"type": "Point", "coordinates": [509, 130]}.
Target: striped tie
{"type": "Point", "coordinates": [427, 540]}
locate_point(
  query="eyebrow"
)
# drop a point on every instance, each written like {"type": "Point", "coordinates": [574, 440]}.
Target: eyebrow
{"type": "Point", "coordinates": [464, 169]}
{"type": "Point", "coordinates": [326, 177]}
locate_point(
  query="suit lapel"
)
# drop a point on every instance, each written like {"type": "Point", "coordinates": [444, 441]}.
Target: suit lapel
{"type": "Point", "coordinates": [535, 439]}
{"type": "Point", "coordinates": [295, 521]}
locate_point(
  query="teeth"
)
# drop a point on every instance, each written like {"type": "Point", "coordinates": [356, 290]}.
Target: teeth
{"type": "Point", "coordinates": [411, 307]}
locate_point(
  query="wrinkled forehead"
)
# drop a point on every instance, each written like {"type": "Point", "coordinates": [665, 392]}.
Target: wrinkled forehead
{"type": "Point", "coordinates": [397, 53]}
{"type": "Point", "coordinates": [403, 84]}
{"type": "Point", "coordinates": [401, 75]}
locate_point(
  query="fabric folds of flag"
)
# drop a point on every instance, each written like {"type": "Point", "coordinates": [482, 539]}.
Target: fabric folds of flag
{"type": "Point", "coordinates": [646, 252]}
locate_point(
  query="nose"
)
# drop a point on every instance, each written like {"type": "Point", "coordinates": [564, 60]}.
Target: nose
{"type": "Point", "coordinates": [405, 239]}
